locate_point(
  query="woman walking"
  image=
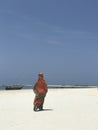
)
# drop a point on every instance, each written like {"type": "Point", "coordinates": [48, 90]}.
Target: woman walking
{"type": "Point", "coordinates": [40, 89]}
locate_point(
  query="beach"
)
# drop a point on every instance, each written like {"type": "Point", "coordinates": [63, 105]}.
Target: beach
{"type": "Point", "coordinates": [64, 109]}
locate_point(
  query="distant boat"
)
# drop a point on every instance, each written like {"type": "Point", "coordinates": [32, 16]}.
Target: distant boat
{"type": "Point", "coordinates": [13, 87]}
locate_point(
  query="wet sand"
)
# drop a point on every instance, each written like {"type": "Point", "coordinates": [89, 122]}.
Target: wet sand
{"type": "Point", "coordinates": [64, 109]}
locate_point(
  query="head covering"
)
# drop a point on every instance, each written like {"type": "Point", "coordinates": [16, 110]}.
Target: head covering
{"type": "Point", "coordinates": [40, 74]}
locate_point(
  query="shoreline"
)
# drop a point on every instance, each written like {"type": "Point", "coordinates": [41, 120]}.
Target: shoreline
{"type": "Point", "coordinates": [50, 87]}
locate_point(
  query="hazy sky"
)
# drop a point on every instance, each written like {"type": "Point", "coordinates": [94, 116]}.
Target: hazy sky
{"type": "Point", "coordinates": [57, 37]}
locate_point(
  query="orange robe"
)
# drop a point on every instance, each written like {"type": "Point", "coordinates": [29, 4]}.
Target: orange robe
{"type": "Point", "coordinates": [40, 90]}
{"type": "Point", "coordinates": [41, 87]}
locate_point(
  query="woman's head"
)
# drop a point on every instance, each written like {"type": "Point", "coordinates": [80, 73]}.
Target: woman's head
{"type": "Point", "coordinates": [41, 75]}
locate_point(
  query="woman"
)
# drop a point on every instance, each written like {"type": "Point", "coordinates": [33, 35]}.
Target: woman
{"type": "Point", "coordinates": [40, 89]}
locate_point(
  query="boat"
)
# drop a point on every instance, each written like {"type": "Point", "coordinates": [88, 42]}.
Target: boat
{"type": "Point", "coordinates": [13, 87]}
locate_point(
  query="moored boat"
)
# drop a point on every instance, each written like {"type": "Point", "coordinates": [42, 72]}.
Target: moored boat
{"type": "Point", "coordinates": [13, 87]}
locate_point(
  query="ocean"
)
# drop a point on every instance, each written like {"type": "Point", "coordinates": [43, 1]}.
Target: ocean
{"type": "Point", "coordinates": [3, 87]}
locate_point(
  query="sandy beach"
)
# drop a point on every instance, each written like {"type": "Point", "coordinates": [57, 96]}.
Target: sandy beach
{"type": "Point", "coordinates": [64, 109]}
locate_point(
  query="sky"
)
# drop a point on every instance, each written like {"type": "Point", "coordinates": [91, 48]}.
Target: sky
{"type": "Point", "coordinates": [56, 37]}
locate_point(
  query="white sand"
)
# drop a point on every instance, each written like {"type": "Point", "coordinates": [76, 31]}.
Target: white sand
{"type": "Point", "coordinates": [65, 109]}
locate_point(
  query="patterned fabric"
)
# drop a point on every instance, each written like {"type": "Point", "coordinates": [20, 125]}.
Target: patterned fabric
{"type": "Point", "coordinates": [39, 100]}
{"type": "Point", "coordinates": [40, 89]}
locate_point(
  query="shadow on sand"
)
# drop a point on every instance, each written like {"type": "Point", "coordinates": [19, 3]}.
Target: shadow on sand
{"type": "Point", "coordinates": [44, 110]}
{"type": "Point", "coordinates": [47, 110]}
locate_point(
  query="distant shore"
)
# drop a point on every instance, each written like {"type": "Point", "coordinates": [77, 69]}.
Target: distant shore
{"type": "Point", "coordinates": [21, 86]}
